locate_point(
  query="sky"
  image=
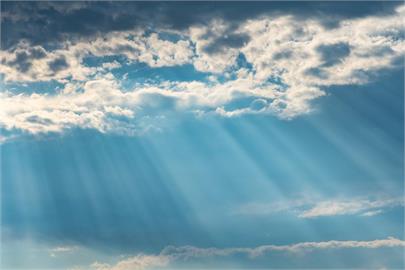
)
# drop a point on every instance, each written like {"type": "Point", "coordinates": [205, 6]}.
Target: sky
{"type": "Point", "coordinates": [202, 135]}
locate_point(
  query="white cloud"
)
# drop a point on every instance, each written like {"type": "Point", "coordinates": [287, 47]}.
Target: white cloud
{"type": "Point", "coordinates": [111, 65]}
{"type": "Point", "coordinates": [189, 251]}
{"type": "Point", "coordinates": [307, 208]}
{"type": "Point", "coordinates": [372, 213]}
{"type": "Point", "coordinates": [350, 207]}
{"type": "Point", "coordinates": [288, 71]}
{"type": "Point", "coordinates": [137, 47]}
{"type": "Point", "coordinates": [138, 262]}
{"type": "Point", "coordinates": [202, 37]}
{"type": "Point", "coordinates": [171, 254]}
{"type": "Point", "coordinates": [101, 104]}
{"type": "Point", "coordinates": [53, 252]}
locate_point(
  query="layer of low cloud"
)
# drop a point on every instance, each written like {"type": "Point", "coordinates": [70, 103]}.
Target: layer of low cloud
{"type": "Point", "coordinates": [287, 65]}
{"type": "Point", "coordinates": [172, 254]}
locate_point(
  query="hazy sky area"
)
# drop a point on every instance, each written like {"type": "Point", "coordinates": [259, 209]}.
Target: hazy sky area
{"type": "Point", "coordinates": [202, 135]}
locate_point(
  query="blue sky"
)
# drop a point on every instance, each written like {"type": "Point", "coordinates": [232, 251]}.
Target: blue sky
{"type": "Point", "coordinates": [202, 135]}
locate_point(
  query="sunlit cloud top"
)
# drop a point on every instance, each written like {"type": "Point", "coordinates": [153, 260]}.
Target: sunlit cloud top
{"type": "Point", "coordinates": [102, 74]}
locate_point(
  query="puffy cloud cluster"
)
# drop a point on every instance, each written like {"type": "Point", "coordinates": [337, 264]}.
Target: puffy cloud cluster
{"type": "Point", "coordinates": [101, 104]}
{"type": "Point", "coordinates": [278, 64]}
{"type": "Point", "coordinates": [34, 63]}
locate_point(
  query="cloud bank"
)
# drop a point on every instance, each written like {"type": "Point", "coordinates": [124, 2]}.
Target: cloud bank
{"type": "Point", "coordinates": [275, 64]}
{"type": "Point", "coordinates": [172, 254]}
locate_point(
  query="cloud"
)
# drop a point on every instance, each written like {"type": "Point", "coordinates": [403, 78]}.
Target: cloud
{"type": "Point", "coordinates": [172, 254]}
{"type": "Point", "coordinates": [67, 62]}
{"type": "Point", "coordinates": [355, 45]}
{"type": "Point", "coordinates": [43, 22]}
{"type": "Point", "coordinates": [54, 252]}
{"type": "Point", "coordinates": [278, 62]}
{"type": "Point", "coordinates": [372, 213]}
{"type": "Point", "coordinates": [101, 104]}
{"type": "Point", "coordinates": [188, 251]}
{"type": "Point", "coordinates": [333, 54]}
{"type": "Point", "coordinates": [306, 208]}
{"type": "Point", "coordinates": [138, 262]}
{"type": "Point", "coordinates": [224, 42]}
{"type": "Point", "coordinates": [58, 64]}
{"type": "Point", "coordinates": [350, 207]}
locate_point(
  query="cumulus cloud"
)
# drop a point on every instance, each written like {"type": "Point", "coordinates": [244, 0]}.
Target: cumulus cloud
{"type": "Point", "coordinates": [277, 63]}
{"type": "Point", "coordinates": [172, 254]}
{"type": "Point", "coordinates": [67, 62]}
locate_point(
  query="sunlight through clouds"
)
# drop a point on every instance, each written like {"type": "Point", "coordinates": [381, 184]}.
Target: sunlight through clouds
{"type": "Point", "coordinates": [290, 62]}
{"type": "Point", "coordinates": [201, 135]}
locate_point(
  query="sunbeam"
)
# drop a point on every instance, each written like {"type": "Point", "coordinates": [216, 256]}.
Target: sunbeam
{"type": "Point", "coordinates": [200, 135]}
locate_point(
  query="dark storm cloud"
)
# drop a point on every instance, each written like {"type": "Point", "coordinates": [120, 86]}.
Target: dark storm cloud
{"type": "Point", "coordinates": [51, 22]}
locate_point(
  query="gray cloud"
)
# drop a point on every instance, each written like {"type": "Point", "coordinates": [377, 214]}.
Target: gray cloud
{"type": "Point", "coordinates": [227, 41]}
{"type": "Point", "coordinates": [333, 54]}
{"type": "Point", "coordinates": [43, 22]}
{"type": "Point", "coordinates": [58, 64]}
{"type": "Point", "coordinates": [21, 62]}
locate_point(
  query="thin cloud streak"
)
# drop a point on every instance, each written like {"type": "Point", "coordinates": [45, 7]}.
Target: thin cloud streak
{"type": "Point", "coordinates": [350, 207]}
{"type": "Point", "coordinates": [171, 254]}
{"type": "Point", "coordinates": [306, 208]}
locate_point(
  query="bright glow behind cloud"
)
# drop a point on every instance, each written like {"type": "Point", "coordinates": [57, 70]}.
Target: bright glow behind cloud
{"type": "Point", "coordinates": [290, 64]}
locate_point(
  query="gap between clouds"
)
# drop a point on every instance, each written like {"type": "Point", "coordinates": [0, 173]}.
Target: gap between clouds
{"type": "Point", "coordinates": [288, 65]}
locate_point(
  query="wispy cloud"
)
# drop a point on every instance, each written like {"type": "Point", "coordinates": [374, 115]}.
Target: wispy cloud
{"type": "Point", "coordinates": [260, 208]}
{"type": "Point", "coordinates": [171, 254]}
{"type": "Point", "coordinates": [306, 208]}
{"type": "Point", "coordinates": [350, 207]}
{"type": "Point", "coordinates": [53, 252]}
